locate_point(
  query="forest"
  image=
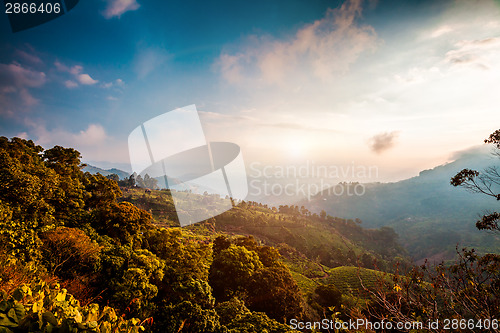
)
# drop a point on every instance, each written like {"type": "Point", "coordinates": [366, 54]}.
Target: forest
{"type": "Point", "coordinates": [81, 252]}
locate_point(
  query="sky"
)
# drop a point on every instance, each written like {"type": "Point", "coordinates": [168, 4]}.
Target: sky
{"type": "Point", "coordinates": [400, 85]}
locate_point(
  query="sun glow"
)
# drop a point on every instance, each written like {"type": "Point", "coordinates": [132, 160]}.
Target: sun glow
{"type": "Point", "coordinates": [294, 147]}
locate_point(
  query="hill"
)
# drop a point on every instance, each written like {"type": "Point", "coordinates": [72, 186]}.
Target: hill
{"type": "Point", "coordinates": [325, 239]}
{"type": "Point", "coordinates": [94, 170]}
{"type": "Point", "coordinates": [429, 214]}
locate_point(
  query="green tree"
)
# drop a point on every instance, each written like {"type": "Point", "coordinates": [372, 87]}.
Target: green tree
{"type": "Point", "coordinates": [231, 270]}
{"type": "Point", "coordinates": [120, 220]}
{"type": "Point", "coordinates": [274, 291]}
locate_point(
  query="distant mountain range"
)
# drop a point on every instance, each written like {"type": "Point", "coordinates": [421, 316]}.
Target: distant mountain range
{"type": "Point", "coordinates": [429, 214]}
{"type": "Point", "coordinates": [93, 170]}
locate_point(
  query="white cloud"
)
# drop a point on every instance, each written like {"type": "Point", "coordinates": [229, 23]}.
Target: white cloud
{"type": "Point", "coordinates": [77, 73]}
{"type": "Point", "coordinates": [86, 79]}
{"type": "Point", "coordinates": [75, 70]}
{"type": "Point", "coordinates": [70, 84]}
{"type": "Point", "coordinates": [481, 53]}
{"type": "Point", "coordinates": [116, 83]}
{"type": "Point", "coordinates": [92, 142]}
{"type": "Point", "coordinates": [322, 50]}
{"type": "Point", "coordinates": [116, 8]}
{"type": "Point", "coordinates": [15, 84]}
{"type": "Point", "coordinates": [440, 31]}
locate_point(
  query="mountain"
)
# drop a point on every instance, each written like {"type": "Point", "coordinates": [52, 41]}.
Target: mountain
{"type": "Point", "coordinates": [93, 170]}
{"type": "Point", "coordinates": [431, 216]}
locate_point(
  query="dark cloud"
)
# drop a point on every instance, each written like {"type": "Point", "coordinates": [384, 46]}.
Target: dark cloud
{"type": "Point", "coordinates": [383, 141]}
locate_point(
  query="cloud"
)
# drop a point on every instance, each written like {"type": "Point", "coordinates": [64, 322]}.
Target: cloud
{"type": "Point", "coordinates": [383, 141]}
{"type": "Point", "coordinates": [29, 57]}
{"type": "Point", "coordinates": [92, 136]}
{"type": "Point", "coordinates": [116, 8]}
{"type": "Point", "coordinates": [323, 49]}
{"type": "Point", "coordinates": [77, 73]}
{"type": "Point", "coordinates": [15, 82]}
{"type": "Point", "coordinates": [75, 70]}
{"type": "Point", "coordinates": [93, 142]}
{"type": "Point", "coordinates": [116, 83]}
{"type": "Point", "coordinates": [70, 84]}
{"type": "Point", "coordinates": [148, 60]}
{"type": "Point", "coordinates": [440, 31]}
{"type": "Point", "coordinates": [481, 53]}
{"type": "Point", "coordinates": [86, 79]}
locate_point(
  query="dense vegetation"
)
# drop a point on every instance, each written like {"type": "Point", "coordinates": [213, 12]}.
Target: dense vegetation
{"type": "Point", "coordinates": [64, 232]}
{"type": "Point", "coordinates": [79, 253]}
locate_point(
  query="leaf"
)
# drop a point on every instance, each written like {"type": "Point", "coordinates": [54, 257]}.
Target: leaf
{"type": "Point", "coordinates": [13, 316]}
{"type": "Point", "coordinates": [61, 296]}
{"type": "Point", "coordinates": [6, 321]}
{"type": "Point", "coordinates": [105, 327]}
{"type": "Point", "coordinates": [5, 330]}
{"type": "Point", "coordinates": [4, 306]}
{"type": "Point", "coordinates": [49, 318]}
{"type": "Point", "coordinates": [20, 311]}
{"type": "Point", "coordinates": [78, 316]}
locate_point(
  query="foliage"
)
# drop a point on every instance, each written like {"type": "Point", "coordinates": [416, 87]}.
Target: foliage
{"type": "Point", "coordinates": [52, 309]}
{"type": "Point", "coordinates": [69, 251]}
{"type": "Point", "coordinates": [231, 270]}
{"type": "Point", "coordinates": [120, 220]}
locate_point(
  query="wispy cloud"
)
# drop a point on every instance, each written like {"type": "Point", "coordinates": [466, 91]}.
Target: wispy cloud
{"type": "Point", "coordinates": [116, 8]}
{"type": "Point", "coordinates": [77, 73]}
{"type": "Point", "coordinates": [481, 53]}
{"type": "Point", "coordinates": [93, 142]}
{"type": "Point", "coordinates": [324, 49]}
{"type": "Point", "coordinates": [31, 57]}
{"type": "Point", "coordinates": [70, 84]}
{"type": "Point", "coordinates": [384, 141]}
{"type": "Point", "coordinates": [149, 59]}
{"type": "Point", "coordinates": [15, 83]}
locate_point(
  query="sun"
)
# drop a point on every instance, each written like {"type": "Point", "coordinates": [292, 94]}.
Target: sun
{"type": "Point", "coordinates": [294, 148]}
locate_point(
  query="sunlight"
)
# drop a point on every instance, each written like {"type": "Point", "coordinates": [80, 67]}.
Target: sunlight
{"type": "Point", "coordinates": [294, 147]}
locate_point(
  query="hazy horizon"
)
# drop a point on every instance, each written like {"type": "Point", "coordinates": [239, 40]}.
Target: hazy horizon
{"type": "Point", "coordinates": [397, 85]}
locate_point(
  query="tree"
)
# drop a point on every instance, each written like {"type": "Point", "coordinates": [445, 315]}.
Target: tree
{"type": "Point", "coordinates": [486, 182]}
{"type": "Point", "coordinates": [274, 291]}
{"type": "Point", "coordinates": [68, 251]}
{"type": "Point", "coordinates": [326, 296]}
{"type": "Point", "coordinates": [231, 270]}
{"type": "Point", "coordinates": [120, 220]}
{"type": "Point", "coordinates": [114, 177]}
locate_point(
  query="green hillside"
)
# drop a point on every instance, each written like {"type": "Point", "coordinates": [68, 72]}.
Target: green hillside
{"type": "Point", "coordinates": [80, 254]}
{"type": "Point", "coordinates": [328, 240]}
{"type": "Point", "coordinates": [429, 214]}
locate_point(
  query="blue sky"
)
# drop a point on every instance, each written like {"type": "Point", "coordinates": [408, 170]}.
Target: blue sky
{"type": "Point", "coordinates": [398, 84]}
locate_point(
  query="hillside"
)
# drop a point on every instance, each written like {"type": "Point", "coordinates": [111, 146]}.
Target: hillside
{"type": "Point", "coordinates": [429, 214]}
{"type": "Point", "coordinates": [80, 254]}
{"type": "Point", "coordinates": [330, 241]}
